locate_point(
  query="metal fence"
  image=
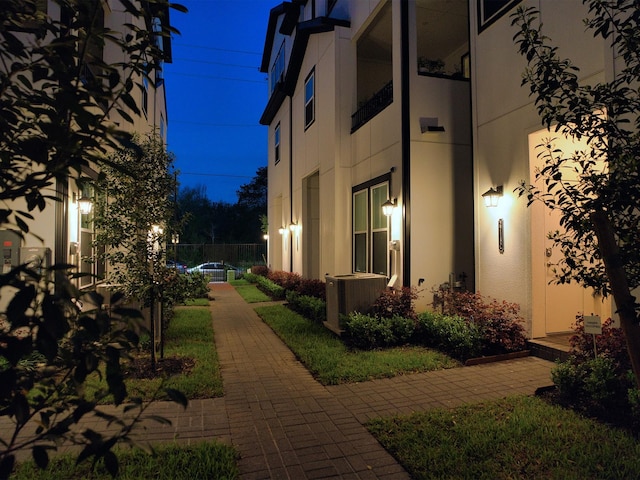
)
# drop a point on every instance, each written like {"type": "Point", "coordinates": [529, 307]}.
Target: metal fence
{"type": "Point", "coordinates": [241, 255]}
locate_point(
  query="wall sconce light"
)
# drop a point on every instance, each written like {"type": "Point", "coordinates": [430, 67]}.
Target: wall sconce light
{"type": "Point", "coordinates": [492, 196]}
{"type": "Point", "coordinates": [293, 227]}
{"type": "Point", "coordinates": [265, 236]}
{"type": "Point", "coordinates": [388, 207]}
{"type": "Point", "coordinates": [175, 238]}
{"type": "Point", "coordinates": [282, 230]}
{"type": "Point", "coordinates": [85, 204]}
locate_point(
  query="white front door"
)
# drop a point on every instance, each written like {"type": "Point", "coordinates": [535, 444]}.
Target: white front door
{"type": "Point", "coordinates": [554, 306]}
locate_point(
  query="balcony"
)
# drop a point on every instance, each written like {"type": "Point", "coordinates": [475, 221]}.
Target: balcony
{"type": "Point", "coordinates": [372, 107]}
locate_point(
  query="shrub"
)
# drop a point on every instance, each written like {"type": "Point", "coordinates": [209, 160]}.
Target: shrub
{"type": "Point", "coordinates": [393, 302]}
{"type": "Point", "coordinates": [611, 344]}
{"type": "Point", "coordinates": [261, 270]}
{"type": "Point", "coordinates": [310, 307]}
{"type": "Point", "coordinates": [313, 288]}
{"type": "Point", "coordinates": [499, 322]}
{"type": "Point", "coordinates": [592, 385]}
{"type": "Point", "coordinates": [287, 280]}
{"type": "Point", "coordinates": [270, 288]}
{"type": "Point", "coordinates": [450, 334]}
{"type": "Point", "coordinates": [368, 332]}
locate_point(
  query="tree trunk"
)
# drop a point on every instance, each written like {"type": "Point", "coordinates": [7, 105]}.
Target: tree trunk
{"type": "Point", "coordinates": [625, 302]}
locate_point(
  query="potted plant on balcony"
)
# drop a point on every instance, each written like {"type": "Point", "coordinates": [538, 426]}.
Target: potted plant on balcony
{"type": "Point", "coordinates": [426, 65]}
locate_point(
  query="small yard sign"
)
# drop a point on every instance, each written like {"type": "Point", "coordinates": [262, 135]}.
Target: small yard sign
{"type": "Point", "coordinates": [592, 324]}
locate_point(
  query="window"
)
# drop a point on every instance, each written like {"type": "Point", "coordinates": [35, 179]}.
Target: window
{"type": "Point", "coordinates": [370, 228]}
{"type": "Point", "coordinates": [490, 10]}
{"type": "Point", "coordinates": [277, 70]}
{"type": "Point", "coordinates": [330, 5]}
{"type": "Point", "coordinates": [309, 100]}
{"type": "Point", "coordinates": [276, 141]}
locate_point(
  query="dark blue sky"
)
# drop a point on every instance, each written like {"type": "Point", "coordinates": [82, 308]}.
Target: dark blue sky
{"type": "Point", "coordinates": [216, 94]}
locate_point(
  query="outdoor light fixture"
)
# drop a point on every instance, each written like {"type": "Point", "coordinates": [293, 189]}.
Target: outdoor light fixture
{"type": "Point", "coordinates": [85, 204]}
{"type": "Point", "coordinates": [265, 236]}
{"type": "Point", "coordinates": [293, 227]}
{"type": "Point", "coordinates": [492, 196]}
{"type": "Point", "coordinates": [282, 230]}
{"type": "Point", "coordinates": [388, 207]}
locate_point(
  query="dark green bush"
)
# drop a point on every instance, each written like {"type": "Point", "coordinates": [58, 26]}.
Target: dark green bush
{"type": "Point", "coordinates": [310, 307]}
{"type": "Point", "coordinates": [450, 334]}
{"type": "Point", "coordinates": [368, 332]}
{"type": "Point", "coordinates": [591, 385]}
{"type": "Point", "coordinates": [271, 289]}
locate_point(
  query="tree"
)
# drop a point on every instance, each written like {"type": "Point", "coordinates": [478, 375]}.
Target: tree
{"type": "Point", "coordinates": [134, 213]}
{"type": "Point", "coordinates": [57, 103]}
{"type": "Point", "coordinates": [596, 190]}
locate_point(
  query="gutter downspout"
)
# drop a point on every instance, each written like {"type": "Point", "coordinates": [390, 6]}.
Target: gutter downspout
{"type": "Point", "coordinates": [405, 138]}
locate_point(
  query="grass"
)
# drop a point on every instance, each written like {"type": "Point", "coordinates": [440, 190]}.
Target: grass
{"type": "Point", "coordinates": [190, 335]}
{"type": "Point", "coordinates": [249, 292]}
{"type": "Point", "coordinates": [170, 462]}
{"type": "Point", "coordinates": [516, 437]}
{"type": "Point", "coordinates": [197, 302]}
{"type": "Point", "coordinates": [332, 363]}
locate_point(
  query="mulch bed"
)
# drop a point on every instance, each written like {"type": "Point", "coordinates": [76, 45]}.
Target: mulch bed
{"type": "Point", "coordinates": [140, 368]}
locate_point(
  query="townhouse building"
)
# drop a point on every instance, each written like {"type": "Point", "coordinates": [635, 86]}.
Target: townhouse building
{"type": "Point", "coordinates": [418, 104]}
{"type": "Point", "coordinates": [64, 232]}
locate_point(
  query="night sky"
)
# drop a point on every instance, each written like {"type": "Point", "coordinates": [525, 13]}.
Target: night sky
{"type": "Point", "coordinates": [216, 94]}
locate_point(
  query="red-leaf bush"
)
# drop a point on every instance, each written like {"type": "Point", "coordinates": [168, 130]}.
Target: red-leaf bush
{"type": "Point", "coordinates": [396, 303]}
{"type": "Point", "coordinates": [287, 280]}
{"type": "Point", "coordinates": [312, 287]}
{"type": "Point", "coordinates": [610, 344]}
{"type": "Point", "coordinates": [500, 323]}
{"type": "Point", "coordinates": [261, 270]}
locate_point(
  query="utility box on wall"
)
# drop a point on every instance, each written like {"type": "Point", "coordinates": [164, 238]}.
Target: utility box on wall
{"type": "Point", "coordinates": [10, 250]}
{"type": "Point", "coordinates": [355, 292]}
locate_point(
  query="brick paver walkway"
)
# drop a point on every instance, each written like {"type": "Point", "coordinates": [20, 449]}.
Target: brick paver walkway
{"type": "Point", "coordinates": [287, 426]}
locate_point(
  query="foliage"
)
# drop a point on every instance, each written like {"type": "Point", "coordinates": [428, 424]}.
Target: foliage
{"type": "Point", "coordinates": [596, 190]}
{"type": "Point", "coordinates": [499, 322]}
{"type": "Point", "coordinates": [272, 289]}
{"type": "Point", "coordinates": [313, 308]}
{"type": "Point", "coordinates": [287, 280]}
{"type": "Point", "coordinates": [393, 302]}
{"type": "Point", "coordinates": [47, 324]}
{"type": "Point", "coordinates": [450, 334]}
{"type": "Point", "coordinates": [167, 462]}
{"type": "Point", "coordinates": [610, 344]}
{"type": "Point", "coordinates": [132, 217]}
{"type": "Point", "coordinates": [332, 363]}
{"type": "Point", "coordinates": [312, 287]}
{"type": "Point", "coordinates": [262, 270]}
{"type": "Point", "coordinates": [601, 384]}
{"type": "Point", "coordinates": [369, 332]}
{"type": "Point", "coordinates": [62, 108]}
{"type": "Point", "coordinates": [209, 222]}
{"type": "Point", "coordinates": [514, 437]}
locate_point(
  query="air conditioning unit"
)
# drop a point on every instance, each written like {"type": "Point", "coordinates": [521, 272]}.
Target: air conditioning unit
{"type": "Point", "coordinates": [355, 292]}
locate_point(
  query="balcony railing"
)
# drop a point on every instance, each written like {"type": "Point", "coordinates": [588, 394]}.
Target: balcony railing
{"type": "Point", "coordinates": [372, 107]}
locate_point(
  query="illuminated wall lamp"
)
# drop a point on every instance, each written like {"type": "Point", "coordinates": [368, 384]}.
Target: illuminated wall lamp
{"type": "Point", "coordinates": [282, 230]}
{"type": "Point", "coordinates": [85, 204]}
{"type": "Point", "coordinates": [492, 196]}
{"type": "Point", "coordinates": [388, 207]}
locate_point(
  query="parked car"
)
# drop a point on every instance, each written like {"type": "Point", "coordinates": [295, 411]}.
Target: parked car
{"type": "Point", "coordinates": [216, 270]}
{"type": "Point", "coordinates": [181, 267]}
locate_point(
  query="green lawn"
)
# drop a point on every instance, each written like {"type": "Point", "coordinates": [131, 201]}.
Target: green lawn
{"type": "Point", "coordinates": [170, 462]}
{"type": "Point", "coordinates": [249, 292]}
{"type": "Point", "coordinates": [329, 360]}
{"type": "Point", "coordinates": [513, 438]}
{"type": "Point", "coordinates": [190, 335]}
